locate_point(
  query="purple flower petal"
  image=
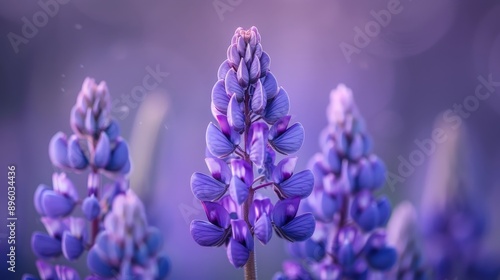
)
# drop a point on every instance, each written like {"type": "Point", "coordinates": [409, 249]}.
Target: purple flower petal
{"type": "Point", "coordinates": [58, 150]}
{"type": "Point", "coordinates": [279, 127]}
{"type": "Point", "coordinates": [384, 210]}
{"type": "Point", "coordinates": [356, 148]}
{"type": "Point", "coordinates": [378, 170]}
{"type": "Point", "coordinates": [232, 55]}
{"type": "Point", "coordinates": [230, 133]}
{"type": "Point", "coordinates": [219, 169]}
{"type": "Point", "coordinates": [154, 241]}
{"type": "Point", "coordinates": [113, 131]}
{"type": "Point", "coordinates": [241, 169]}
{"type": "Point", "coordinates": [216, 214]}
{"type": "Point", "coordinates": [258, 208]}
{"type": "Point", "coordinates": [237, 253]}
{"type": "Point", "coordinates": [299, 185]}
{"type": "Point", "coordinates": [102, 151]}
{"type": "Point", "coordinates": [265, 62]}
{"type": "Point", "coordinates": [54, 227]}
{"type": "Point", "coordinates": [230, 205]}
{"type": "Point", "coordinates": [63, 185]}
{"type": "Point", "coordinates": [119, 157]}
{"type": "Point", "coordinates": [207, 234]}
{"type": "Point", "coordinates": [206, 188]}
{"type": "Point", "coordinates": [37, 198]}
{"type": "Point", "coordinates": [90, 122]}
{"type": "Point", "coordinates": [66, 273]}
{"type": "Point", "coordinates": [106, 242]}
{"type": "Point", "coordinates": [45, 270]}
{"type": "Point", "coordinates": [382, 259]}
{"type": "Point", "coordinates": [72, 247]}
{"type": "Point", "coordinates": [290, 141]}
{"type": "Point", "coordinates": [56, 205]}
{"type": "Point", "coordinates": [263, 228]}
{"type": "Point", "coordinates": [364, 211]}
{"type": "Point", "coordinates": [91, 208]}
{"type": "Point", "coordinates": [254, 70]}
{"type": "Point", "coordinates": [217, 142]}
{"type": "Point", "coordinates": [241, 46]}
{"type": "Point", "coordinates": [270, 85]}
{"type": "Point", "coordinates": [242, 234]}
{"type": "Point", "coordinates": [242, 74]}
{"type": "Point", "coordinates": [285, 210]}
{"type": "Point", "coordinates": [232, 86]}
{"type": "Point", "coordinates": [76, 156]}
{"type": "Point", "coordinates": [235, 116]}
{"type": "Point", "coordinates": [332, 157]}
{"type": "Point", "coordinates": [163, 265]}
{"type": "Point", "coordinates": [98, 265]}
{"type": "Point", "coordinates": [259, 98]}
{"type": "Point", "coordinates": [238, 190]}
{"type": "Point", "coordinates": [346, 255]}
{"type": "Point", "coordinates": [258, 143]}
{"type": "Point", "coordinates": [300, 228]}
{"type": "Point", "coordinates": [77, 121]}
{"type": "Point", "coordinates": [284, 169]}
{"type": "Point", "coordinates": [45, 246]}
{"type": "Point", "coordinates": [277, 107]}
{"type": "Point", "coordinates": [223, 69]}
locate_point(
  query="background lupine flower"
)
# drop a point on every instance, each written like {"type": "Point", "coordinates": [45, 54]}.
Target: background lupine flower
{"type": "Point", "coordinates": [349, 241]}
{"type": "Point", "coordinates": [252, 123]}
{"type": "Point", "coordinates": [454, 218]}
{"type": "Point", "coordinates": [402, 233]}
{"type": "Point", "coordinates": [113, 226]}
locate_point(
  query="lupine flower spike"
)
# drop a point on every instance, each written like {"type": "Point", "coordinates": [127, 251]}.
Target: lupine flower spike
{"type": "Point", "coordinates": [252, 124]}
{"type": "Point", "coordinates": [349, 241]}
{"type": "Point", "coordinates": [113, 227]}
{"type": "Point", "coordinates": [454, 218]}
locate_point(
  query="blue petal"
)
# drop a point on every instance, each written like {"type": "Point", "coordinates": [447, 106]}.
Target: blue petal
{"type": "Point", "coordinates": [141, 255]}
{"type": "Point", "coordinates": [207, 234]}
{"type": "Point", "coordinates": [223, 68]}
{"type": "Point", "coordinates": [382, 259]}
{"type": "Point", "coordinates": [163, 266]}
{"type": "Point", "coordinates": [238, 190]}
{"type": "Point", "coordinates": [285, 210]}
{"type": "Point", "coordinates": [279, 127]}
{"type": "Point", "coordinates": [332, 157]}
{"type": "Point", "coordinates": [308, 249]}
{"type": "Point", "coordinates": [98, 265]}
{"type": "Point", "coordinates": [241, 233]}
{"type": "Point", "coordinates": [102, 151]}
{"type": "Point", "coordinates": [232, 55]}
{"type": "Point", "coordinates": [217, 214]}
{"type": "Point", "coordinates": [119, 157]}
{"type": "Point", "coordinates": [254, 70]}
{"type": "Point", "coordinates": [114, 251]}
{"type": "Point", "coordinates": [258, 143]}
{"type": "Point", "coordinates": [45, 246]}
{"type": "Point", "coordinates": [58, 150]}
{"type": "Point", "coordinates": [37, 198]}
{"type": "Point", "coordinates": [66, 273]}
{"type": "Point", "coordinates": [300, 228]}
{"type": "Point", "coordinates": [364, 178]}
{"type": "Point", "coordinates": [356, 148]}
{"type": "Point", "coordinates": [90, 122]}
{"type": "Point", "coordinates": [242, 170]}
{"type": "Point", "coordinates": [290, 141]}
{"type": "Point", "coordinates": [242, 74]}
{"type": "Point", "coordinates": [154, 241]}
{"type": "Point", "coordinates": [56, 205]}
{"type": "Point", "coordinates": [91, 208]}
{"type": "Point", "coordinates": [346, 255]}
{"type": "Point", "coordinates": [263, 229]}
{"type": "Point", "coordinates": [232, 86]}
{"type": "Point", "coordinates": [284, 169]}
{"type": "Point", "coordinates": [368, 218]}
{"type": "Point", "coordinates": [219, 169]}
{"type": "Point", "coordinates": [265, 62]}
{"type": "Point", "coordinates": [237, 253]}
{"type": "Point", "coordinates": [76, 157]}
{"type": "Point", "coordinates": [217, 142]}
{"type": "Point", "coordinates": [113, 131]}
{"type": "Point", "coordinates": [259, 99]}
{"type": "Point", "coordinates": [220, 97]}
{"type": "Point", "coordinates": [45, 270]}
{"type": "Point", "coordinates": [206, 188]}
{"type": "Point", "coordinates": [235, 115]}
{"type": "Point", "coordinates": [299, 185]}
{"type": "Point", "coordinates": [241, 46]}
{"type": "Point", "coordinates": [270, 85]}
{"type": "Point", "coordinates": [77, 121]}
{"type": "Point", "coordinates": [72, 247]}
{"type": "Point", "coordinates": [378, 169]}
{"type": "Point", "coordinates": [227, 130]}
{"type": "Point", "coordinates": [384, 211]}
{"type": "Point", "coordinates": [277, 107]}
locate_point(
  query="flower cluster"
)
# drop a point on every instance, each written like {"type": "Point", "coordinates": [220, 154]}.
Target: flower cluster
{"type": "Point", "coordinates": [349, 241]}
{"type": "Point", "coordinates": [252, 125]}
{"type": "Point", "coordinates": [95, 145]}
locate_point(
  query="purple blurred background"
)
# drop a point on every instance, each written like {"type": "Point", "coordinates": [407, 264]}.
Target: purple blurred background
{"type": "Point", "coordinates": [415, 65]}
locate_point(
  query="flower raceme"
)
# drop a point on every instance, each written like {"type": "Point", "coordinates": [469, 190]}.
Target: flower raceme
{"type": "Point", "coordinates": [349, 241]}
{"type": "Point", "coordinates": [95, 145]}
{"type": "Point", "coordinates": [252, 124]}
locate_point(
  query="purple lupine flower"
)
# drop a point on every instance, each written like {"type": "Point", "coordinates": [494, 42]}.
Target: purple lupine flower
{"type": "Point", "coordinates": [252, 124]}
{"type": "Point", "coordinates": [95, 146]}
{"type": "Point", "coordinates": [454, 220]}
{"type": "Point", "coordinates": [349, 241]}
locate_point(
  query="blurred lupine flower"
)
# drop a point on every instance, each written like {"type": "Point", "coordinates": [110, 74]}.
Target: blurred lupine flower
{"type": "Point", "coordinates": [454, 218]}
{"type": "Point", "coordinates": [252, 123]}
{"type": "Point", "coordinates": [127, 247]}
{"type": "Point", "coordinates": [349, 241]}
{"type": "Point", "coordinates": [97, 146]}
{"type": "Point", "coordinates": [402, 232]}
